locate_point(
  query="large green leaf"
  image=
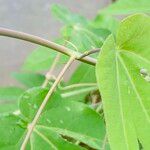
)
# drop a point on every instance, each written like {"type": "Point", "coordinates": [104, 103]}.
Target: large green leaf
{"type": "Point", "coordinates": [123, 72]}
{"type": "Point", "coordinates": [9, 98]}
{"type": "Point", "coordinates": [59, 122]}
{"type": "Point", "coordinates": [29, 79]}
{"type": "Point", "coordinates": [128, 7]}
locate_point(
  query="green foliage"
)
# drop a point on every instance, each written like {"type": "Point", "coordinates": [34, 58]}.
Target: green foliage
{"type": "Point", "coordinates": [78, 92]}
{"type": "Point", "coordinates": [7, 93]}
{"type": "Point", "coordinates": [106, 22]}
{"type": "Point", "coordinates": [82, 73]}
{"type": "Point", "coordinates": [78, 31]}
{"type": "Point", "coordinates": [8, 98]}
{"type": "Point", "coordinates": [64, 15]}
{"type": "Point", "coordinates": [80, 83]}
{"type": "Point", "coordinates": [40, 59]}
{"type": "Point", "coordinates": [55, 122]}
{"type": "Point", "coordinates": [11, 132]}
{"type": "Point", "coordinates": [29, 79]}
{"type": "Point", "coordinates": [78, 34]}
{"type": "Point", "coordinates": [82, 38]}
{"type": "Point", "coordinates": [128, 7]}
{"type": "Point", "coordinates": [32, 99]}
{"type": "Point", "coordinates": [124, 87]}
{"type": "Point", "coordinates": [77, 113]}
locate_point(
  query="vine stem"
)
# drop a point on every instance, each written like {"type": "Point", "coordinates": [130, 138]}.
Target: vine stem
{"type": "Point", "coordinates": [32, 125]}
{"type": "Point", "coordinates": [46, 43]}
{"type": "Point", "coordinates": [86, 53]}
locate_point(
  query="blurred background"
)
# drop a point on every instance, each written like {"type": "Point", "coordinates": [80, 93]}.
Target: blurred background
{"type": "Point", "coordinates": [34, 17]}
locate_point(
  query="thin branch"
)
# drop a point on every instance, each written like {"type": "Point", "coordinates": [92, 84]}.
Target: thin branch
{"type": "Point", "coordinates": [89, 53]}
{"type": "Point", "coordinates": [49, 73]}
{"type": "Point", "coordinates": [32, 125]}
{"type": "Point", "coordinates": [46, 43]}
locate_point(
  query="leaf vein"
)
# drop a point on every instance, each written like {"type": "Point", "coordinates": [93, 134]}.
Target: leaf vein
{"type": "Point", "coordinates": [120, 103]}
{"type": "Point", "coordinates": [134, 88]}
{"type": "Point", "coordinates": [46, 139]}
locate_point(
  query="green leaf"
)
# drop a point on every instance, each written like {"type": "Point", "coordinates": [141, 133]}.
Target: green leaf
{"type": "Point", "coordinates": [60, 121]}
{"type": "Point", "coordinates": [32, 99]}
{"type": "Point", "coordinates": [78, 92]}
{"type": "Point", "coordinates": [124, 86]}
{"type": "Point", "coordinates": [10, 93]}
{"type": "Point", "coordinates": [105, 22]}
{"type": "Point", "coordinates": [80, 85]}
{"type": "Point", "coordinates": [128, 7]}
{"type": "Point", "coordinates": [67, 17]}
{"type": "Point", "coordinates": [82, 38]}
{"type": "Point", "coordinates": [79, 128]}
{"type": "Point", "coordinates": [55, 117]}
{"type": "Point", "coordinates": [78, 33]}
{"type": "Point", "coordinates": [40, 59]}
{"type": "Point", "coordinates": [9, 98]}
{"type": "Point", "coordinates": [11, 132]}
{"type": "Point", "coordinates": [8, 106]}
{"type": "Point", "coordinates": [82, 73]}
{"type": "Point", "coordinates": [47, 138]}
{"type": "Point", "coordinates": [29, 79]}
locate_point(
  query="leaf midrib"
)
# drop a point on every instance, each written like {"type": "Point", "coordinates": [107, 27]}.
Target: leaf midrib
{"type": "Point", "coordinates": [120, 103]}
